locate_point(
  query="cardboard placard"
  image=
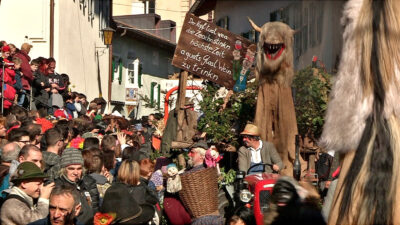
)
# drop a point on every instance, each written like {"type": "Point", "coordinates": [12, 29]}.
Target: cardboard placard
{"type": "Point", "coordinates": [208, 51]}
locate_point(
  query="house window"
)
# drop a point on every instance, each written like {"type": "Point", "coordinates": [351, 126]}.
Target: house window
{"type": "Point", "coordinates": [155, 94]}
{"type": "Point", "coordinates": [223, 22]}
{"type": "Point", "coordinates": [155, 58]}
{"type": "Point", "coordinates": [252, 35]}
{"type": "Point", "coordinates": [150, 7]}
{"type": "Point", "coordinates": [132, 75]}
{"type": "Point", "coordinates": [117, 65]}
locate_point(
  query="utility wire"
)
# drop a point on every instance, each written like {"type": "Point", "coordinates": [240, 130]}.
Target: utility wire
{"type": "Point", "coordinates": [170, 10]}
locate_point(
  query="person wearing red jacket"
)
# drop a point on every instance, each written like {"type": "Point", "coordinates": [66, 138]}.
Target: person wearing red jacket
{"type": "Point", "coordinates": [8, 77]}
{"type": "Point", "coordinates": [27, 77]}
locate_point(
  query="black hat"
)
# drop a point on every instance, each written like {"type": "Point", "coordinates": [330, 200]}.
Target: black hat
{"type": "Point", "coordinates": [200, 144]}
{"type": "Point", "coordinates": [118, 200]}
{"type": "Point", "coordinates": [26, 171]}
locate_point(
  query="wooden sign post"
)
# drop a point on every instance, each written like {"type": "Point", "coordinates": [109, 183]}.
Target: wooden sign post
{"type": "Point", "coordinates": [181, 103]}
{"type": "Point", "coordinates": [210, 52]}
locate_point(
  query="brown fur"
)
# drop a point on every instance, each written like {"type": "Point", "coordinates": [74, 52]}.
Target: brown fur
{"type": "Point", "coordinates": [275, 114]}
{"type": "Point", "coordinates": [355, 96]}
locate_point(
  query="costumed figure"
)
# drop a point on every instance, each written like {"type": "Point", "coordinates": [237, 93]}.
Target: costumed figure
{"type": "Point", "coordinates": [275, 114]}
{"type": "Point", "coordinates": [174, 181]}
{"type": "Point", "coordinates": [363, 116]}
{"type": "Point", "coordinates": [241, 80]}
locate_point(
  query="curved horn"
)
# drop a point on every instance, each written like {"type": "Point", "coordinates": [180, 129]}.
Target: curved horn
{"type": "Point", "coordinates": [255, 27]}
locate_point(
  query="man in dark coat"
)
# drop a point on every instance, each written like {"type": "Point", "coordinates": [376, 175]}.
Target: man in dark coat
{"type": "Point", "coordinates": [71, 174]}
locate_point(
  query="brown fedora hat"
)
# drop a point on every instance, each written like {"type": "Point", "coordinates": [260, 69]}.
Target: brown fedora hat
{"type": "Point", "coordinates": [251, 129]}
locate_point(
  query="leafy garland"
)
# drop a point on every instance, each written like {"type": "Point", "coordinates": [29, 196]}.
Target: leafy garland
{"type": "Point", "coordinates": [311, 87]}
{"type": "Point", "coordinates": [223, 125]}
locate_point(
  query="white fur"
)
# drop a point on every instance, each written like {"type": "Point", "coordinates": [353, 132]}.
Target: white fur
{"type": "Point", "coordinates": [348, 107]}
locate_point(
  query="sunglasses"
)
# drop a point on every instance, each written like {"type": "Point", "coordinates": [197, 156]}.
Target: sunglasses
{"type": "Point", "coordinates": [25, 142]}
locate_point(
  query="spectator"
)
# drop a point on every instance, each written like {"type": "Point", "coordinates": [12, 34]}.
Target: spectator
{"type": "Point", "coordinates": [19, 206]}
{"type": "Point", "coordinates": [109, 165]}
{"type": "Point", "coordinates": [20, 93]}
{"type": "Point", "coordinates": [64, 207]}
{"type": "Point", "coordinates": [35, 133]}
{"type": "Point", "coordinates": [118, 199]}
{"type": "Point", "coordinates": [26, 70]}
{"type": "Point", "coordinates": [55, 144]}
{"type": "Point", "coordinates": [13, 50]}
{"type": "Point", "coordinates": [96, 170]}
{"type": "Point", "coordinates": [29, 153]}
{"type": "Point", "coordinates": [9, 154]}
{"type": "Point", "coordinates": [57, 85]}
{"type": "Point", "coordinates": [8, 77]}
{"type": "Point", "coordinates": [129, 173]}
{"type": "Point", "coordinates": [3, 131]}
{"type": "Point", "coordinates": [19, 136]}
{"type": "Point", "coordinates": [41, 86]}
{"type": "Point", "coordinates": [243, 216]}
{"type": "Point", "coordinates": [91, 142]}
{"type": "Point", "coordinates": [72, 174]}
{"type": "Point", "coordinates": [69, 106]}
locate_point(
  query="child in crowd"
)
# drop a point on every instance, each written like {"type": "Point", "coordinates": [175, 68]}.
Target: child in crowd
{"type": "Point", "coordinates": [69, 106]}
{"type": "Point", "coordinates": [20, 96]}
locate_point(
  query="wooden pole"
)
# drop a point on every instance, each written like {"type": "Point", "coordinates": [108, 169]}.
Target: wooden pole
{"type": "Point", "coordinates": [181, 104]}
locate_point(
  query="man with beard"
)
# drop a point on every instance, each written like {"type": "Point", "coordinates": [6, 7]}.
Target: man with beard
{"type": "Point", "coordinates": [64, 207]}
{"type": "Point", "coordinates": [196, 156]}
{"type": "Point", "coordinates": [256, 152]}
{"type": "Point", "coordinates": [20, 207]}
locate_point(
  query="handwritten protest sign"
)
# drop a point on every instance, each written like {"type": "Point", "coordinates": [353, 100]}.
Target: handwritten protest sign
{"type": "Point", "coordinates": [213, 53]}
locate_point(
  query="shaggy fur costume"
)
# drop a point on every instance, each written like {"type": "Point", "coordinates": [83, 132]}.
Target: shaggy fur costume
{"type": "Point", "coordinates": [275, 114]}
{"type": "Point", "coordinates": [363, 116]}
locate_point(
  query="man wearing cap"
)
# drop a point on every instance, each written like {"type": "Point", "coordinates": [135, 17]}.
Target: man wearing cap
{"type": "Point", "coordinates": [72, 174]}
{"type": "Point", "coordinates": [257, 151]}
{"type": "Point", "coordinates": [19, 207]}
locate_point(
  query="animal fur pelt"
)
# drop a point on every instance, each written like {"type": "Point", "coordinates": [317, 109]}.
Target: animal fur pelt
{"type": "Point", "coordinates": [363, 116]}
{"type": "Point", "coordinates": [275, 114]}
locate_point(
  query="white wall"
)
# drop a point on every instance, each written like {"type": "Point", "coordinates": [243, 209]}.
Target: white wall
{"type": "Point", "coordinates": [76, 41]}
{"type": "Point", "coordinates": [26, 21]}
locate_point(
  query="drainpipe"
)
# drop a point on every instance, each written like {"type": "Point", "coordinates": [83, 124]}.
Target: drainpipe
{"type": "Point", "coordinates": [51, 41]}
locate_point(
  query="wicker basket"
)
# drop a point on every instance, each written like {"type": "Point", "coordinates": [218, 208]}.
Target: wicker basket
{"type": "Point", "coordinates": [199, 192]}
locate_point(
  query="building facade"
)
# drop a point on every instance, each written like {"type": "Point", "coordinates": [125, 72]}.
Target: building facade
{"type": "Point", "coordinates": [68, 30]}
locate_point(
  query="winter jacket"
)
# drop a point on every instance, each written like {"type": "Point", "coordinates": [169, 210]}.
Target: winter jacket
{"type": "Point", "coordinates": [88, 194]}
{"type": "Point", "coordinates": [142, 193]}
{"type": "Point", "coordinates": [41, 96]}
{"type": "Point", "coordinates": [55, 78]}
{"type": "Point", "coordinates": [25, 69]}
{"type": "Point", "coordinates": [18, 81]}
{"type": "Point", "coordinates": [102, 185]}
{"type": "Point", "coordinates": [21, 210]}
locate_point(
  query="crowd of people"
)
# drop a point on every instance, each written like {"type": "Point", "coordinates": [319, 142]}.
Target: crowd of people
{"type": "Point", "coordinates": [63, 161]}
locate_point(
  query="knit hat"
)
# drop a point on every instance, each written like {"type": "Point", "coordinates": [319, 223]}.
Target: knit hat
{"type": "Point", "coordinates": [27, 170]}
{"type": "Point", "coordinates": [71, 156]}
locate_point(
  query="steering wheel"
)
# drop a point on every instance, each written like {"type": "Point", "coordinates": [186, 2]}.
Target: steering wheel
{"type": "Point", "coordinates": [263, 164]}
